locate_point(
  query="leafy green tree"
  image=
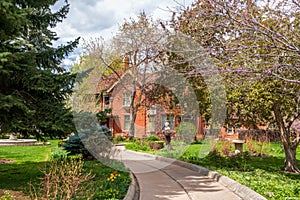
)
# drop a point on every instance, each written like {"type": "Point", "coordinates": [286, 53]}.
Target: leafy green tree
{"type": "Point", "coordinates": [33, 84]}
{"type": "Point", "coordinates": [256, 46]}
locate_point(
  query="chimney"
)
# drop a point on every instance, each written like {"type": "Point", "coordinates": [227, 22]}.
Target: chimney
{"type": "Point", "coordinates": [126, 62]}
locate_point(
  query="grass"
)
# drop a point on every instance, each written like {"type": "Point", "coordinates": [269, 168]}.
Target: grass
{"type": "Point", "coordinates": [102, 172]}
{"type": "Point", "coordinates": [29, 160]}
{"type": "Point", "coordinates": [262, 174]}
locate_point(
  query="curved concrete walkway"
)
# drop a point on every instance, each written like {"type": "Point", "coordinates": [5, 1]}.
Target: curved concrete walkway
{"type": "Point", "coordinates": [163, 180]}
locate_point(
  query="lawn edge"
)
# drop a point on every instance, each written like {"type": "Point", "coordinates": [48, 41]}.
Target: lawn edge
{"type": "Point", "coordinates": [133, 192]}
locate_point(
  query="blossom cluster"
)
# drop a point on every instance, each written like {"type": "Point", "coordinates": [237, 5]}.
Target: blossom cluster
{"type": "Point", "coordinates": [113, 176]}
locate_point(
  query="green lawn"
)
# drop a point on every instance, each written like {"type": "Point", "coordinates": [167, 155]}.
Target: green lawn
{"type": "Point", "coordinates": [261, 174]}
{"type": "Point", "coordinates": [29, 160]}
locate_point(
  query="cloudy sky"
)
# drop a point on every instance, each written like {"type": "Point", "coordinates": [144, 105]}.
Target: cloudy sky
{"type": "Point", "coordinates": [101, 18]}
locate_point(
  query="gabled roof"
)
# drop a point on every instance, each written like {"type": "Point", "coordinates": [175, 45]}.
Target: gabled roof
{"type": "Point", "coordinates": [107, 82]}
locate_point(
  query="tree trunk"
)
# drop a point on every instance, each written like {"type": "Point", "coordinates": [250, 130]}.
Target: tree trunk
{"type": "Point", "coordinates": [132, 120]}
{"type": "Point", "coordinates": [290, 152]}
{"type": "Point", "coordinates": [290, 159]}
{"type": "Point", "coordinates": [133, 109]}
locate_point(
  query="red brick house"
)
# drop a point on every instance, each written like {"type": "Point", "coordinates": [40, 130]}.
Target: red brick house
{"type": "Point", "coordinates": [149, 120]}
{"type": "Point", "coordinates": [112, 92]}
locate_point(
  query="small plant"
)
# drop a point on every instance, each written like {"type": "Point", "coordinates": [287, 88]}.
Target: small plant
{"type": "Point", "coordinates": [214, 147]}
{"type": "Point", "coordinates": [62, 180]}
{"type": "Point", "coordinates": [138, 146]}
{"type": "Point", "coordinates": [7, 196]}
{"type": "Point", "coordinates": [152, 138]}
{"type": "Point", "coordinates": [111, 187]}
{"type": "Point", "coordinates": [132, 139]}
{"type": "Point", "coordinates": [251, 146]}
{"type": "Point", "coordinates": [226, 147]}
{"type": "Point", "coordinates": [118, 139]}
{"type": "Point", "coordinates": [156, 145]}
{"type": "Point", "coordinates": [59, 154]}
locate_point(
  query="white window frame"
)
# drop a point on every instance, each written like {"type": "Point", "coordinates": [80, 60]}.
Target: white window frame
{"type": "Point", "coordinates": [126, 120]}
{"type": "Point", "coordinates": [126, 99]}
{"type": "Point", "coordinates": [151, 124]}
{"type": "Point", "coordinates": [229, 129]}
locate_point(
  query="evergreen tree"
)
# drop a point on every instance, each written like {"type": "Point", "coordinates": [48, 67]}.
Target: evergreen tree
{"type": "Point", "coordinates": [33, 84]}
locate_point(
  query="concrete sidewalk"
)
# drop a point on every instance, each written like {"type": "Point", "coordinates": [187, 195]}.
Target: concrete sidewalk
{"type": "Point", "coordinates": [162, 180]}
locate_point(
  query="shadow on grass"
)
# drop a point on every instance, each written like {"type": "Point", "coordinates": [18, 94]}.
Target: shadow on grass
{"type": "Point", "coordinates": [272, 164]}
{"type": "Point", "coordinates": [269, 164]}
{"type": "Point", "coordinates": [14, 176]}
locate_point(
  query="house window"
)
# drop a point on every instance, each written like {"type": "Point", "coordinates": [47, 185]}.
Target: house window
{"type": "Point", "coordinates": [126, 122]}
{"type": "Point", "coordinates": [126, 99]}
{"type": "Point", "coordinates": [167, 118]}
{"type": "Point", "coordinates": [106, 102]}
{"type": "Point", "coordinates": [230, 130]}
{"type": "Point", "coordinates": [151, 125]}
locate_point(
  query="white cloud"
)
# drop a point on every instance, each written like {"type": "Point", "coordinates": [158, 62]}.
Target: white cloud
{"type": "Point", "coordinates": [95, 18]}
{"type": "Point", "coordinates": [101, 18]}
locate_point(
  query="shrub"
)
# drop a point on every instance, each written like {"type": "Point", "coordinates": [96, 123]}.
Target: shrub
{"type": "Point", "coordinates": [96, 130]}
{"type": "Point", "coordinates": [252, 148]}
{"type": "Point", "coordinates": [215, 159]}
{"type": "Point", "coordinates": [152, 138]}
{"type": "Point", "coordinates": [226, 147]}
{"type": "Point", "coordinates": [75, 146]}
{"type": "Point", "coordinates": [138, 146]}
{"type": "Point", "coordinates": [156, 145]}
{"type": "Point", "coordinates": [118, 139]}
{"type": "Point", "coordinates": [59, 154]}
{"type": "Point", "coordinates": [132, 139]}
{"type": "Point", "coordinates": [63, 179]}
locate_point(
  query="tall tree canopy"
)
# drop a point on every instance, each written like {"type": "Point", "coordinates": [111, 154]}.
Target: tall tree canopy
{"type": "Point", "coordinates": [256, 46]}
{"type": "Point", "coordinates": [33, 83]}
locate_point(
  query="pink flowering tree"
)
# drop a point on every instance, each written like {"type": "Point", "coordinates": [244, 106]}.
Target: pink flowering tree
{"type": "Point", "coordinates": [256, 47]}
